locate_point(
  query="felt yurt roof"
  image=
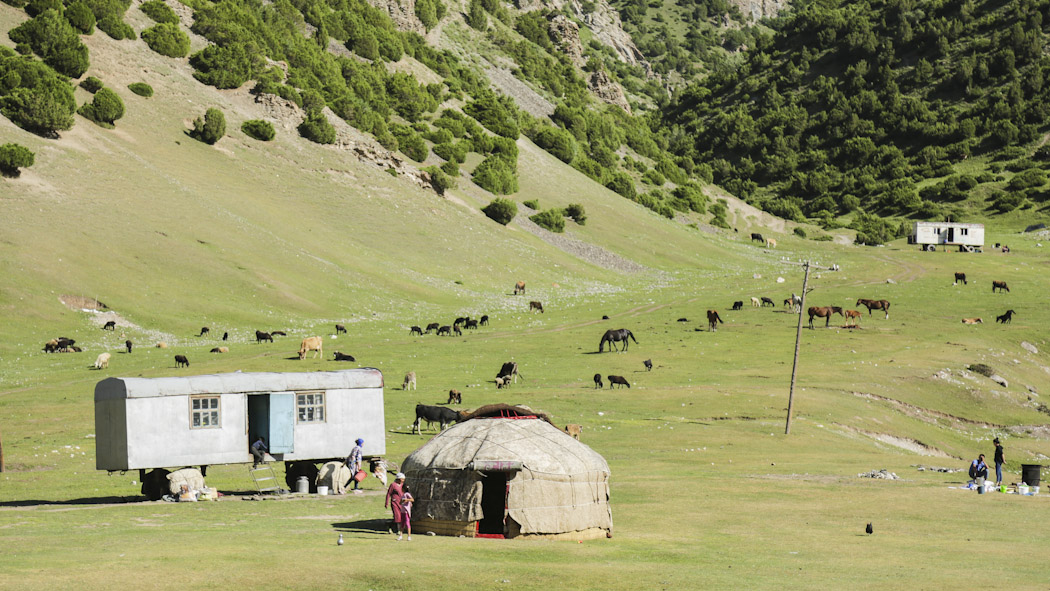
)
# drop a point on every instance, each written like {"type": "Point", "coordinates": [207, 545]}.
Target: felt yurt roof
{"type": "Point", "coordinates": [538, 445]}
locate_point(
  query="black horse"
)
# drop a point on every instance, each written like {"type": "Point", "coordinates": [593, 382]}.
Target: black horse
{"type": "Point", "coordinates": [1006, 317]}
{"type": "Point", "coordinates": [612, 336]}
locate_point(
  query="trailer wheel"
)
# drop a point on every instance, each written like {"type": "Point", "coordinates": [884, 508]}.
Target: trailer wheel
{"type": "Point", "coordinates": [155, 484]}
{"type": "Point", "coordinates": [294, 470]}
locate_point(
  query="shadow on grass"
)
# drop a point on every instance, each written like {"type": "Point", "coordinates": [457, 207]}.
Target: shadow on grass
{"type": "Point", "coordinates": [365, 526]}
{"type": "Point", "coordinates": [111, 500]}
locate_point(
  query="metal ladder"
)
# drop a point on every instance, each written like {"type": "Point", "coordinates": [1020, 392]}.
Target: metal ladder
{"type": "Point", "coordinates": [265, 479]}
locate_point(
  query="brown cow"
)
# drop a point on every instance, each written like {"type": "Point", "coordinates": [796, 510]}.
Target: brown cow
{"type": "Point", "coordinates": [574, 430]}
{"type": "Point", "coordinates": [310, 344]}
{"type": "Point", "coordinates": [455, 396]}
{"type": "Point", "coordinates": [534, 305]}
{"type": "Point", "coordinates": [1000, 285]}
{"type": "Point", "coordinates": [519, 288]}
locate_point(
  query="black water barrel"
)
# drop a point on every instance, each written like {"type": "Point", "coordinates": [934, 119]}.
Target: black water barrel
{"type": "Point", "coordinates": [1030, 474]}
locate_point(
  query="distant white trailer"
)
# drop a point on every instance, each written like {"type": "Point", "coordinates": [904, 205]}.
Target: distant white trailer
{"type": "Point", "coordinates": [147, 423]}
{"type": "Point", "coordinates": [928, 235]}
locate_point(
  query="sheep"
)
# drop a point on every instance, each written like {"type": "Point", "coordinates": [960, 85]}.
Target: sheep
{"type": "Point", "coordinates": [102, 361]}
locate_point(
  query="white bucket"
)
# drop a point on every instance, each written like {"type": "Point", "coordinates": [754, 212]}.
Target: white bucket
{"type": "Point", "coordinates": [1022, 490]}
{"type": "Point", "coordinates": [322, 490]}
{"type": "Point", "coordinates": [1034, 490]}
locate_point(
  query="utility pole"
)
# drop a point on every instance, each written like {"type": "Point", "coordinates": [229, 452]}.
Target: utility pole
{"type": "Point", "coordinates": [798, 342]}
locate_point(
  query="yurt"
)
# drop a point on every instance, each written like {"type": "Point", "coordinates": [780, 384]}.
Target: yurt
{"type": "Point", "coordinates": [507, 472]}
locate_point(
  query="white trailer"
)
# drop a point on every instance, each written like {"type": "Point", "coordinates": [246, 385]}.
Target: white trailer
{"type": "Point", "coordinates": [928, 235]}
{"type": "Point", "coordinates": [147, 423]}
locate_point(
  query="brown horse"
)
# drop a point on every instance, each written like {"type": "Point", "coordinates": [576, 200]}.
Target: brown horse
{"type": "Point", "coordinates": [824, 312]}
{"type": "Point", "coordinates": [853, 315]}
{"type": "Point", "coordinates": [713, 320]}
{"type": "Point", "coordinates": [883, 305]}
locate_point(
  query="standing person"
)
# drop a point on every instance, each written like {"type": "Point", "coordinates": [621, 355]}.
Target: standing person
{"type": "Point", "coordinates": [999, 461]}
{"type": "Point", "coordinates": [978, 469]}
{"type": "Point", "coordinates": [406, 511]}
{"type": "Point", "coordinates": [259, 450]}
{"type": "Point", "coordinates": [353, 461]}
{"type": "Point", "coordinates": [393, 500]}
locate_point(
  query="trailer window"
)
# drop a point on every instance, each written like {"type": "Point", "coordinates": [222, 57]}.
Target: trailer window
{"type": "Point", "coordinates": [310, 407]}
{"type": "Point", "coordinates": [964, 231]}
{"type": "Point", "coordinates": [204, 412]}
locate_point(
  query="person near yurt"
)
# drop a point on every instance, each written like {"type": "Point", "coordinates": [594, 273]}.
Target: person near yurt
{"type": "Point", "coordinates": [506, 472]}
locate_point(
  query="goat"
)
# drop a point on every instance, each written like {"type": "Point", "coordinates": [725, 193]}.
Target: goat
{"type": "Point", "coordinates": [410, 381]}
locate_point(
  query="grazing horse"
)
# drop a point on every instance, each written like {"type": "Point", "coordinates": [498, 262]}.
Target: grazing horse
{"type": "Point", "coordinates": [769, 301]}
{"type": "Point", "coordinates": [883, 305]}
{"type": "Point", "coordinates": [852, 316]}
{"type": "Point", "coordinates": [519, 288]}
{"type": "Point", "coordinates": [261, 336]}
{"type": "Point", "coordinates": [960, 277]}
{"type": "Point", "coordinates": [415, 330]}
{"type": "Point", "coordinates": [797, 301]}
{"type": "Point", "coordinates": [612, 336]}
{"type": "Point", "coordinates": [598, 381]}
{"type": "Point", "coordinates": [824, 312]}
{"type": "Point", "coordinates": [713, 320]}
{"type": "Point", "coordinates": [1000, 285]}
{"type": "Point", "coordinates": [1005, 318]}
{"type": "Point", "coordinates": [432, 326]}
{"type": "Point", "coordinates": [755, 236]}
{"type": "Point", "coordinates": [534, 305]}
{"type": "Point", "coordinates": [737, 305]}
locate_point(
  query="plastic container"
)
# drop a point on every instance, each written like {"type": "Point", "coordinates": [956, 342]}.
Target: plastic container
{"type": "Point", "coordinates": [302, 485]}
{"type": "Point", "coordinates": [1022, 489]}
{"type": "Point", "coordinates": [1033, 490]}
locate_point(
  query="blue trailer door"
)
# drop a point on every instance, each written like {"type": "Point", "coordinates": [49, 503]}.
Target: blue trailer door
{"type": "Point", "coordinates": [282, 422]}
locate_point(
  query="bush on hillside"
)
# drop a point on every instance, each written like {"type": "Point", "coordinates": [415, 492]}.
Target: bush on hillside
{"type": "Point", "coordinates": [872, 230]}
{"type": "Point", "coordinates": [551, 219]}
{"type": "Point", "coordinates": [439, 180]}
{"type": "Point", "coordinates": [56, 42]}
{"type": "Point", "coordinates": [501, 210]}
{"type": "Point", "coordinates": [80, 16]}
{"type": "Point", "coordinates": [91, 84]}
{"type": "Point", "coordinates": [35, 7]}
{"type": "Point", "coordinates": [621, 182]}
{"type": "Point", "coordinates": [258, 129]}
{"type": "Point", "coordinates": [799, 231]}
{"type": "Point", "coordinates": [533, 204]}
{"type": "Point", "coordinates": [210, 127]}
{"type": "Point", "coordinates": [429, 12]}
{"type": "Point", "coordinates": [557, 141]}
{"type": "Point", "coordinates": [35, 97]}
{"type": "Point", "coordinates": [451, 169]}
{"type": "Point", "coordinates": [496, 176]}
{"type": "Point", "coordinates": [167, 39]}
{"type": "Point", "coordinates": [316, 128]}
{"type": "Point", "coordinates": [116, 28]}
{"type": "Point", "coordinates": [222, 67]}
{"type": "Point", "coordinates": [141, 89]}
{"type": "Point", "coordinates": [476, 17]}
{"type": "Point", "coordinates": [104, 109]}
{"type": "Point", "coordinates": [576, 212]}
{"type": "Point", "coordinates": [13, 157]}
{"type": "Point", "coordinates": [159, 11]}
{"type": "Point", "coordinates": [453, 152]}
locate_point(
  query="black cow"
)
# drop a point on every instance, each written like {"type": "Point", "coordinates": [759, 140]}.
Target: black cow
{"type": "Point", "coordinates": [128, 345]}
{"type": "Point", "coordinates": [433, 414]}
{"type": "Point", "coordinates": [960, 277]}
{"type": "Point", "coordinates": [738, 305]}
{"type": "Point", "coordinates": [415, 330]}
{"type": "Point", "coordinates": [181, 361]}
{"type": "Point", "coordinates": [484, 320]}
{"type": "Point", "coordinates": [613, 380]}
{"type": "Point", "coordinates": [598, 381]}
{"type": "Point", "coordinates": [756, 236]}
{"type": "Point", "coordinates": [204, 330]}
{"type": "Point", "coordinates": [343, 357]}
{"type": "Point", "coordinates": [509, 372]}
{"type": "Point", "coordinates": [261, 336]}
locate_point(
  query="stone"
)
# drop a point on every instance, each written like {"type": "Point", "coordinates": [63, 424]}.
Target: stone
{"type": "Point", "coordinates": [1029, 347]}
{"type": "Point", "coordinates": [608, 90]}
{"type": "Point", "coordinates": [998, 379]}
{"type": "Point", "coordinates": [566, 34]}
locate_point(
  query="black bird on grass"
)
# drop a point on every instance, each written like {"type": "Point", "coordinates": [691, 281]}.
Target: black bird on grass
{"type": "Point", "coordinates": [869, 530]}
